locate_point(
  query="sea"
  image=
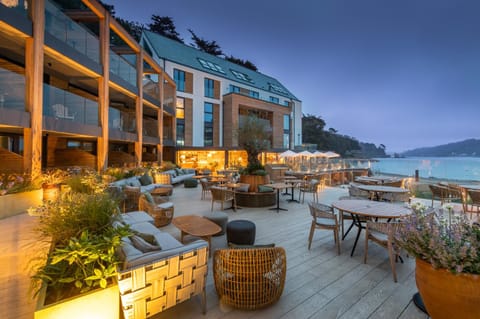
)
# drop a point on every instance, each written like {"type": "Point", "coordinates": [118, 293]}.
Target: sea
{"type": "Point", "coordinates": [444, 168]}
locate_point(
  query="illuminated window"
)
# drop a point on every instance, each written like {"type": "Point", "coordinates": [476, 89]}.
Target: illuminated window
{"type": "Point", "coordinates": [180, 109]}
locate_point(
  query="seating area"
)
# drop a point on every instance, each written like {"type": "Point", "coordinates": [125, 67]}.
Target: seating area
{"type": "Point", "coordinates": [339, 278]}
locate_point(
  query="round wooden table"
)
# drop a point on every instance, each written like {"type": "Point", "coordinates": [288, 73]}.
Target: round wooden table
{"type": "Point", "coordinates": [377, 191]}
{"type": "Point", "coordinates": [370, 209]}
{"type": "Point", "coordinates": [197, 226]}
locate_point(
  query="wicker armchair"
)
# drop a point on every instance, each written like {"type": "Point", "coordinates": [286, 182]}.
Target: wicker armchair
{"type": "Point", "coordinates": [323, 217]}
{"type": "Point", "coordinates": [161, 210]}
{"type": "Point", "coordinates": [249, 278]}
{"type": "Point", "coordinates": [131, 195]}
{"type": "Point", "coordinates": [222, 195]}
{"type": "Point", "coordinates": [206, 185]}
{"type": "Point", "coordinates": [383, 233]}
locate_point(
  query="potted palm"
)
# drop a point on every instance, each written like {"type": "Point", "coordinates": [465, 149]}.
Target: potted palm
{"type": "Point", "coordinates": [447, 251]}
{"type": "Point", "coordinates": [80, 268]}
{"type": "Point", "coordinates": [254, 137]}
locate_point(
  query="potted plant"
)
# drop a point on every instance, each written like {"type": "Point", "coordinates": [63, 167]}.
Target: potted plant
{"type": "Point", "coordinates": [447, 251]}
{"type": "Point", "coordinates": [50, 181]}
{"type": "Point", "coordinates": [254, 137]}
{"type": "Point", "coordinates": [82, 261]}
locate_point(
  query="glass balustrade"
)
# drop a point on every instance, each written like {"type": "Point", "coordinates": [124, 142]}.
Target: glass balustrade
{"type": "Point", "coordinates": [121, 121]}
{"type": "Point", "coordinates": [68, 106]}
{"type": "Point", "coordinates": [151, 88]}
{"type": "Point", "coordinates": [150, 127]}
{"type": "Point", "coordinates": [68, 31]}
{"type": "Point", "coordinates": [12, 90]}
{"type": "Point", "coordinates": [120, 67]}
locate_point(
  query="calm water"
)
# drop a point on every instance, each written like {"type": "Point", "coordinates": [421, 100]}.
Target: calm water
{"type": "Point", "coordinates": [459, 168]}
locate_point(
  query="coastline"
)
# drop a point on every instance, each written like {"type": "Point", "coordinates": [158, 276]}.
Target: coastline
{"type": "Point", "coordinates": [431, 180]}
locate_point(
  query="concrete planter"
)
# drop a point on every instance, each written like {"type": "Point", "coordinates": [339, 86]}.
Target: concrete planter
{"type": "Point", "coordinates": [100, 303]}
{"type": "Point", "coordinates": [14, 204]}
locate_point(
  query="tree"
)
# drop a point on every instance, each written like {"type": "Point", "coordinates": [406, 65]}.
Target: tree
{"type": "Point", "coordinates": [132, 27]}
{"type": "Point", "coordinates": [210, 47]}
{"type": "Point", "coordinates": [254, 137]}
{"type": "Point", "coordinates": [246, 63]}
{"type": "Point", "coordinates": [164, 26]}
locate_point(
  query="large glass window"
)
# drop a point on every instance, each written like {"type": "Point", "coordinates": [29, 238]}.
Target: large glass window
{"type": "Point", "coordinates": [179, 77]}
{"type": "Point", "coordinates": [286, 131]}
{"type": "Point", "coordinates": [208, 124]}
{"type": "Point", "coordinates": [180, 114]}
{"type": "Point", "coordinates": [254, 94]}
{"type": "Point", "coordinates": [234, 89]}
{"type": "Point", "coordinates": [208, 87]}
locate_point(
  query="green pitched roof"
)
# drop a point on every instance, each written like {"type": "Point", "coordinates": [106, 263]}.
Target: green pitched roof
{"type": "Point", "coordinates": [180, 53]}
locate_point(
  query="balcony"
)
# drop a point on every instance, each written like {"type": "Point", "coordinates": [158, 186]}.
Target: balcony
{"type": "Point", "coordinates": [12, 90]}
{"type": "Point", "coordinates": [61, 27]}
{"type": "Point", "coordinates": [64, 105]}
{"type": "Point", "coordinates": [123, 69]}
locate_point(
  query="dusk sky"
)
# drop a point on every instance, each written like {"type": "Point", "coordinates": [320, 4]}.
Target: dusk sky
{"type": "Point", "coordinates": [405, 74]}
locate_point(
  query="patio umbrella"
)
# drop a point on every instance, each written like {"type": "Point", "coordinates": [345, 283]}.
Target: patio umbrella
{"type": "Point", "coordinates": [319, 154]}
{"type": "Point", "coordinates": [331, 154]}
{"type": "Point", "coordinates": [305, 153]}
{"type": "Point", "coordinates": [288, 153]}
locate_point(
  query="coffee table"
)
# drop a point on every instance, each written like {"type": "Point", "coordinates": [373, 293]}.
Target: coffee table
{"type": "Point", "coordinates": [196, 226]}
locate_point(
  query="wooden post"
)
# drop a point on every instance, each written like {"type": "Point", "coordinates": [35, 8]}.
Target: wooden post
{"type": "Point", "coordinates": [160, 118]}
{"type": "Point", "coordinates": [32, 157]}
{"type": "Point", "coordinates": [139, 110]}
{"type": "Point", "coordinates": [103, 94]}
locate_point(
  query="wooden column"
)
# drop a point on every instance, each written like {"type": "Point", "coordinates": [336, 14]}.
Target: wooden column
{"type": "Point", "coordinates": [160, 118]}
{"type": "Point", "coordinates": [139, 110]}
{"type": "Point", "coordinates": [32, 156]}
{"type": "Point", "coordinates": [103, 93]}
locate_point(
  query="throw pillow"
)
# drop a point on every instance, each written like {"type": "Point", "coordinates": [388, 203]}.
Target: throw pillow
{"type": "Point", "coordinates": [178, 171]}
{"type": "Point", "coordinates": [146, 179]}
{"type": "Point", "coordinates": [264, 189]}
{"type": "Point", "coordinates": [149, 197]}
{"type": "Point", "coordinates": [142, 245]}
{"type": "Point", "coordinates": [134, 182]}
{"type": "Point", "coordinates": [149, 238]}
{"type": "Point", "coordinates": [243, 188]}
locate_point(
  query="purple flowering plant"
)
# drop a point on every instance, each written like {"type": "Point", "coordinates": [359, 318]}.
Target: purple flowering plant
{"type": "Point", "coordinates": [15, 183]}
{"type": "Point", "coordinates": [444, 241]}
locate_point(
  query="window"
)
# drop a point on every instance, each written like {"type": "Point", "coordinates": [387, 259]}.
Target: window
{"type": "Point", "coordinates": [208, 124]}
{"type": "Point", "coordinates": [180, 108]}
{"type": "Point", "coordinates": [179, 77]}
{"type": "Point", "coordinates": [180, 114]}
{"type": "Point", "coordinates": [211, 66]}
{"type": "Point", "coordinates": [277, 88]}
{"type": "Point", "coordinates": [234, 89]}
{"type": "Point", "coordinates": [254, 94]}
{"type": "Point", "coordinates": [286, 131]}
{"type": "Point", "coordinates": [274, 99]}
{"type": "Point", "coordinates": [241, 76]}
{"type": "Point", "coordinates": [209, 87]}
{"type": "Point", "coordinates": [286, 103]}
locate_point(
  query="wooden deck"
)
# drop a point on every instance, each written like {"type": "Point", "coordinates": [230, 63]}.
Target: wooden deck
{"type": "Point", "coordinates": [319, 283]}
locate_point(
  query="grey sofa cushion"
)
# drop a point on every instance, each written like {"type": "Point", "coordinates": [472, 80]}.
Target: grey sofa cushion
{"type": "Point", "coordinates": [136, 217]}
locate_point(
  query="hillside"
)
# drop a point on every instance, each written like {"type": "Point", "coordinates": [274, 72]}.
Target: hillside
{"type": "Point", "coordinates": [470, 147]}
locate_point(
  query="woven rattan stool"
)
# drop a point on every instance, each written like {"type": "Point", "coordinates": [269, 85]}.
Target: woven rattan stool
{"type": "Point", "coordinates": [219, 218]}
{"type": "Point", "coordinates": [241, 232]}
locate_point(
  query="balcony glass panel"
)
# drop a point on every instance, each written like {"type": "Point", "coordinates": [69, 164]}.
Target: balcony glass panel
{"type": "Point", "coordinates": [150, 127]}
{"type": "Point", "coordinates": [150, 87]}
{"type": "Point", "coordinates": [120, 67]}
{"type": "Point", "coordinates": [12, 90]}
{"type": "Point", "coordinates": [68, 106]}
{"type": "Point", "coordinates": [121, 121]}
{"type": "Point", "coordinates": [68, 31]}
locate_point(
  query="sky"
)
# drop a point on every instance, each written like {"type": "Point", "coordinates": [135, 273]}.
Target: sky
{"type": "Point", "coordinates": [405, 74]}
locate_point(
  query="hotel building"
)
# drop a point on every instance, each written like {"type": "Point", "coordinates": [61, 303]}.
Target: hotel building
{"type": "Point", "coordinates": [77, 90]}
{"type": "Point", "coordinates": [213, 96]}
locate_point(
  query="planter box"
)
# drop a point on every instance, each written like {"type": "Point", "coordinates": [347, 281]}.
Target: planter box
{"type": "Point", "coordinates": [14, 204]}
{"type": "Point", "coordinates": [100, 303]}
{"type": "Point", "coordinates": [254, 181]}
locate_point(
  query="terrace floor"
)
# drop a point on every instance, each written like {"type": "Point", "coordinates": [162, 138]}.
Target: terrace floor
{"type": "Point", "coordinates": [319, 284]}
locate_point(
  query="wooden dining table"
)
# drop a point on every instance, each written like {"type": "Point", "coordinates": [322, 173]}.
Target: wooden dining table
{"type": "Point", "coordinates": [278, 187]}
{"type": "Point", "coordinates": [368, 209]}
{"type": "Point", "coordinates": [377, 191]}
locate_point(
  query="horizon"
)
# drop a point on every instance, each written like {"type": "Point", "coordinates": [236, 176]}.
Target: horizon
{"type": "Point", "coordinates": [399, 74]}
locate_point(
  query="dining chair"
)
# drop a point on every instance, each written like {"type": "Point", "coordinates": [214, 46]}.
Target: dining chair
{"type": "Point", "coordinates": [222, 195]}
{"type": "Point", "coordinates": [323, 217]}
{"type": "Point", "coordinates": [383, 233]}
{"type": "Point", "coordinates": [475, 202]}
{"type": "Point", "coordinates": [438, 192]}
{"type": "Point", "coordinates": [206, 186]}
{"type": "Point", "coordinates": [309, 187]}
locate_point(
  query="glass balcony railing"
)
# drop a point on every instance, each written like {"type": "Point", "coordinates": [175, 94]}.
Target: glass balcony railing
{"type": "Point", "coordinates": [121, 121]}
{"type": "Point", "coordinates": [12, 90]}
{"type": "Point", "coordinates": [68, 31]}
{"type": "Point", "coordinates": [151, 88]}
{"type": "Point", "coordinates": [150, 127]}
{"type": "Point", "coordinates": [68, 106]}
{"type": "Point", "coordinates": [120, 67]}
